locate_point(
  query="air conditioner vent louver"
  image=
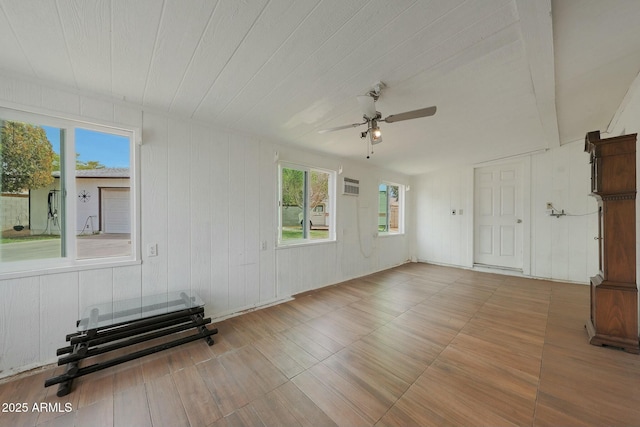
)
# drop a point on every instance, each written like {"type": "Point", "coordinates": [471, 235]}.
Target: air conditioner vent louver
{"type": "Point", "coordinates": [351, 187]}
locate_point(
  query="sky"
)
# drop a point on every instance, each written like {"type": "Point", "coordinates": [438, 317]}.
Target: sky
{"type": "Point", "coordinates": [110, 150]}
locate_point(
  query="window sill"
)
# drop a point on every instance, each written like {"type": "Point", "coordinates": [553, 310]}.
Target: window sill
{"type": "Point", "coordinates": [304, 244]}
{"type": "Point", "coordinates": [390, 234]}
{"type": "Point", "coordinates": [80, 266]}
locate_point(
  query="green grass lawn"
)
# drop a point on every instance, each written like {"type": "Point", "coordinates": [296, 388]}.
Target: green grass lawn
{"type": "Point", "coordinates": [292, 233]}
{"type": "Point", "coordinates": [17, 239]}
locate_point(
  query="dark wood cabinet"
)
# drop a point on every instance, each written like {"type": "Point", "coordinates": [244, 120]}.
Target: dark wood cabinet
{"type": "Point", "coordinates": [614, 294]}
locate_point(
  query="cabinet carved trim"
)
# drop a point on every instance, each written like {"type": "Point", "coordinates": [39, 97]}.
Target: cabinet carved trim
{"type": "Point", "coordinates": [614, 294]}
{"type": "Point", "coordinates": [618, 197]}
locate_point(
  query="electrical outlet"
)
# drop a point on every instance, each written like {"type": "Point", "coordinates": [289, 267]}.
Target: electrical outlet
{"type": "Point", "coordinates": [263, 245]}
{"type": "Point", "coordinates": [152, 249]}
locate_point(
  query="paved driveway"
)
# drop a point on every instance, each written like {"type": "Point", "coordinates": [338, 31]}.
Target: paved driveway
{"type": "Point", "coordinates": [89, 246]}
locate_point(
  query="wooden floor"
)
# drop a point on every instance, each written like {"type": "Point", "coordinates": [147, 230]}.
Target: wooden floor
{"type": "Point", "coordinates": [415, 345]}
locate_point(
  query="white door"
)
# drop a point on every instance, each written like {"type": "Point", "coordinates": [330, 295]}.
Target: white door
{"type": "Point", "coordinates": [116, 215]}
{"type": "Point", "coordinates": [498, 216]}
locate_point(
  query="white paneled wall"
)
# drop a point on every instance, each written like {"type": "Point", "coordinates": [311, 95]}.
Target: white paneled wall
{"type": "Point", "coordinates": [154, 204]}
{"type": "Point", "coordinates": [21, 318]}
{"type": "Point", "coordinates": [441, 237]}
{"type": "Point", "coordinates": [561, 248]}
{"type": "Point", "coordinates": [208, 200]}
{"type": "Point", "coordinates": [178, 226]}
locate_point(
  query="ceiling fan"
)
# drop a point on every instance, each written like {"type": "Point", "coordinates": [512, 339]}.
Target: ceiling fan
{"type": "Point", "coordinates": [372, 117]}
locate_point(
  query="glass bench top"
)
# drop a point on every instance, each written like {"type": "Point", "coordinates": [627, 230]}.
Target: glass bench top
{"type": "Point", "coordinates": [115, 312]}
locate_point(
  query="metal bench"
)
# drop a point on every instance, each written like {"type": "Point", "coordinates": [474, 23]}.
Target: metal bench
{"type": "Point", "coordinates": [120, 324]}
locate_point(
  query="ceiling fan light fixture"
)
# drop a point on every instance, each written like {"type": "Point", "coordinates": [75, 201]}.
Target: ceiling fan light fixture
{"type": "Point", "coordinates": [375, 135]}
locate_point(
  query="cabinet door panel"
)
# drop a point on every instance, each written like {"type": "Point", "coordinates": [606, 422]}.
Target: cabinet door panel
{"type": "Point", "coordinates": [619, 241]}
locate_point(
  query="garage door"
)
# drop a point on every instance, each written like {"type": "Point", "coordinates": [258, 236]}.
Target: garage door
{"type": "Point", "coordinates": [116, 213]}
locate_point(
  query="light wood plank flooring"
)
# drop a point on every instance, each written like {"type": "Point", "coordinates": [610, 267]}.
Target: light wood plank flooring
{"type": "Point", "coordinates": [414, 345]}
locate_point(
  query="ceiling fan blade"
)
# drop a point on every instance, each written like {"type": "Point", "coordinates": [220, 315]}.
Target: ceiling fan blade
{"type": "Point", "coordinates": [415, 114]}
{"type": "Point", "coordinates": [341, 127]}
{"type": "Point", "coordinates": [368, 106]}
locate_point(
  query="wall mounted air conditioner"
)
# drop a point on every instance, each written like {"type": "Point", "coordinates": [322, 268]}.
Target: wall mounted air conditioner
{"type": "Point", "coordinates": [350, 187]}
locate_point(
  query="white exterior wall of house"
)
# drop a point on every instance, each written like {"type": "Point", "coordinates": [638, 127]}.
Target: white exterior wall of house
{"type": "Point", "coordinates": [40, 222]}
{"type": "Point", "coordinates": [209, 236]}
{"type": "Point", "coordinates": [90, 207]}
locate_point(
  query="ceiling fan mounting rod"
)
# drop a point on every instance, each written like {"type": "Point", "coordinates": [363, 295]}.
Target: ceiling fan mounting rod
{"type": "Point", "coordinates": [376, 91]}
{"type": "Point", "coordinates": [377, 88]}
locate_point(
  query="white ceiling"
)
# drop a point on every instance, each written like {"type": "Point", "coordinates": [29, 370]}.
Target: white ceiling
{"type": "Point", "coordinates": [507, 78]}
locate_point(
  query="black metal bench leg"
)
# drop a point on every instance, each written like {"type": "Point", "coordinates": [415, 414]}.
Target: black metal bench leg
{"type": "Point", "coordinates": [207, 338]}
{"type": "Point", "coordinates": [198, 321]}
{"type": "Point", "coordinates": [64, 387]}
{"type": "Point", "coordinates": [204, 331]}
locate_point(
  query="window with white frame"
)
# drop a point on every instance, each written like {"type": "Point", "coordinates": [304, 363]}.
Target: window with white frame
{"type": "Point", "coordinates": [68, 193]}
{"type": "Point", "coordinates": [306, 204]}
{"type": "Point", "coordinates": [390, 208]}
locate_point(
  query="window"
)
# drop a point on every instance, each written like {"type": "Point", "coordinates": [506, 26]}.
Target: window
{"type": "Point", "coordinates": [390, 208]}
{"type": "Point", "coordinates": [306, 205]}
{"type": "Point", "coordinates": [67, 192]}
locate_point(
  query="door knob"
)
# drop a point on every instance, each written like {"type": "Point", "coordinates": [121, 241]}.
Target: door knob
{"type": "Point", "coordinates": [519, 221]}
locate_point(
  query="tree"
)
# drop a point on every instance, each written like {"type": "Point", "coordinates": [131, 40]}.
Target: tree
{"type": "Point", "coordinates": [89, 164]}
{"type": "Point", "coordinates": [293, 188]}
{"type": "Point", "coordinates": [319, 188]}
{"type": "Point", "coordinates": [393, 192]}
{"type": "Point", "coordinates": [27, 157]}
{"type": "Point", "coordinates": [80, 165]}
